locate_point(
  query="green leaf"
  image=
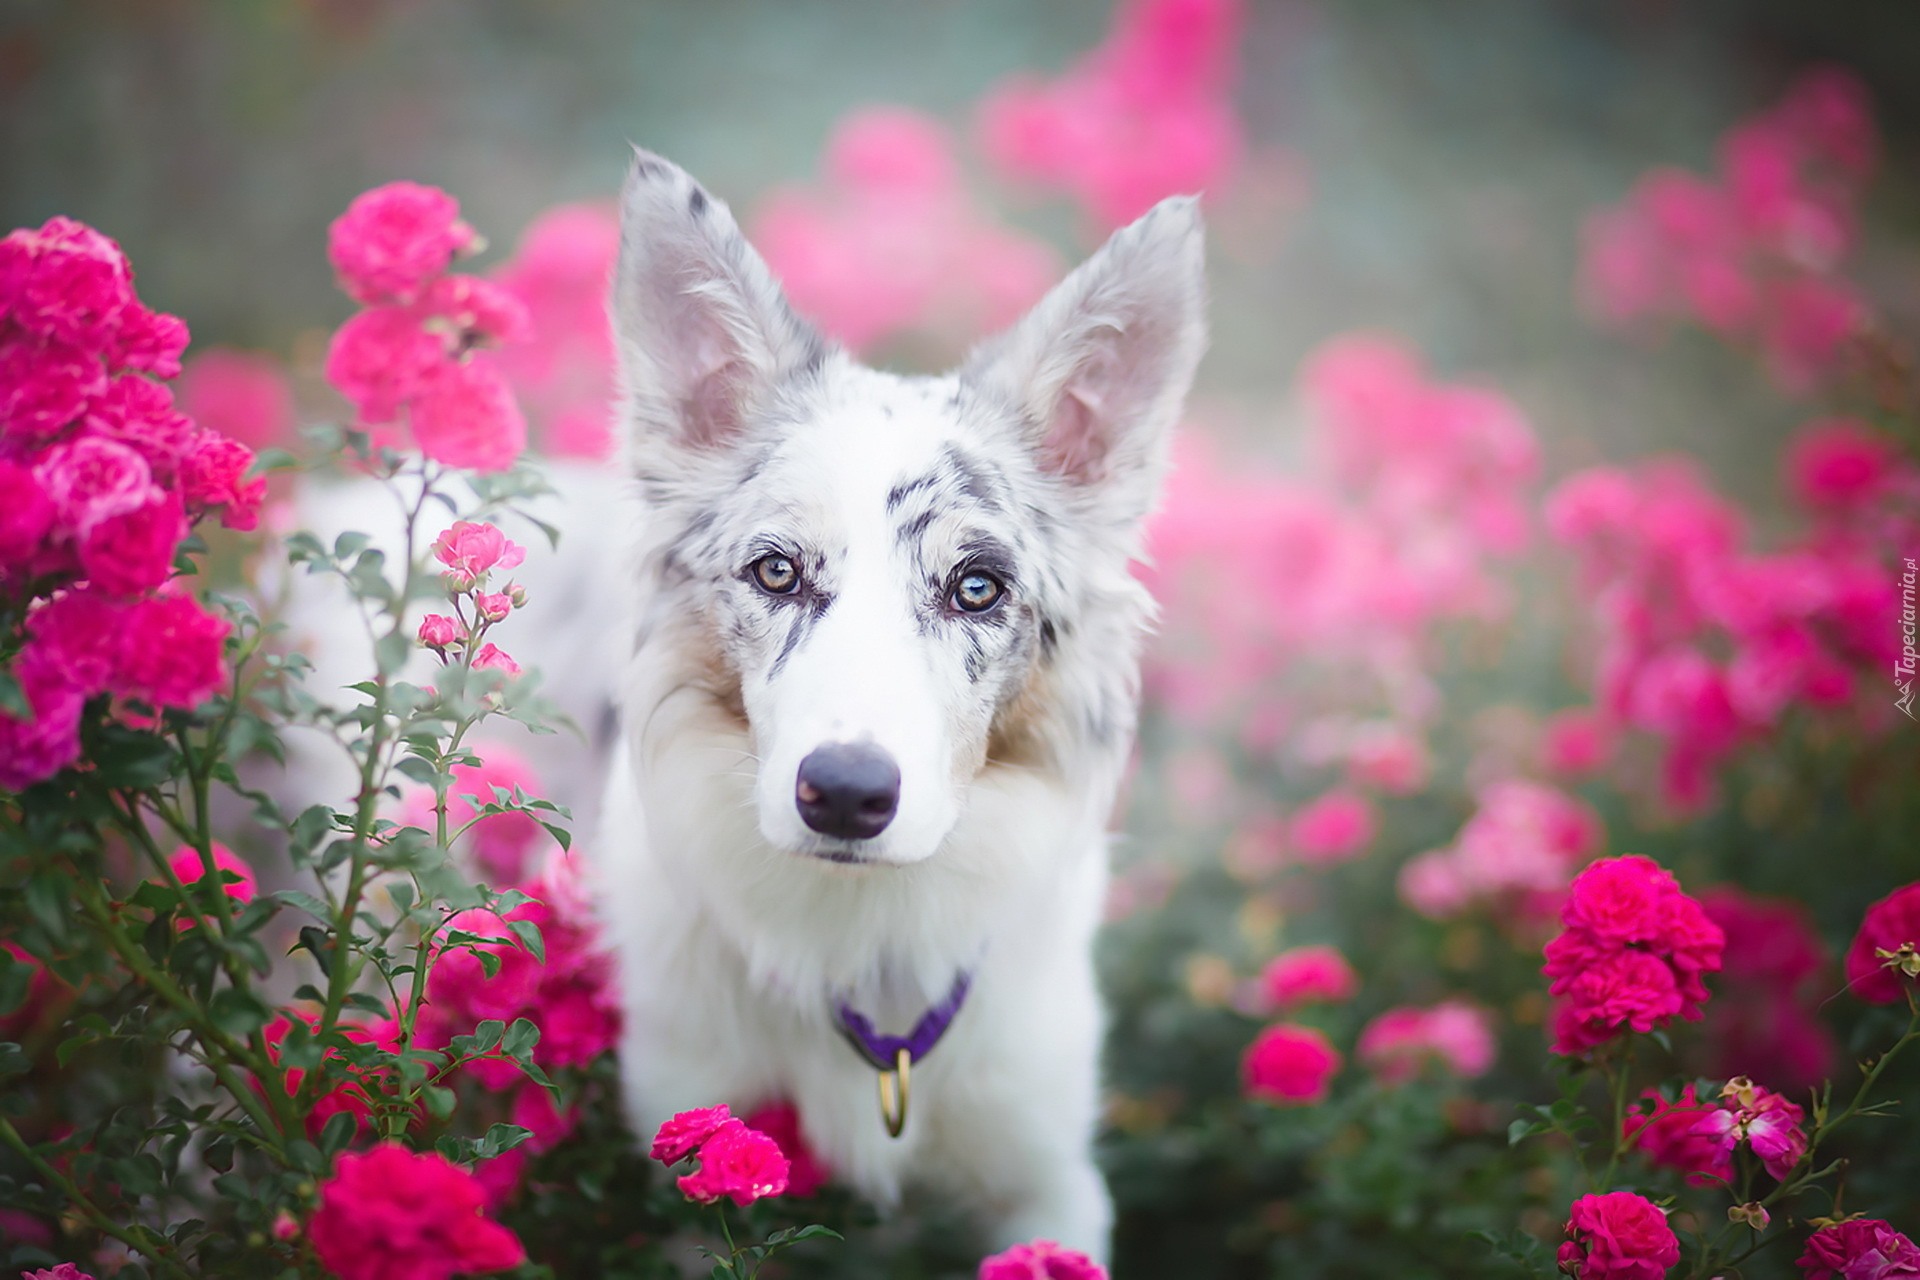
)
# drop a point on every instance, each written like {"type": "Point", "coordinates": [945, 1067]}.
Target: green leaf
{"type": "Point", "coordinates": [439, 1101]}
{"type": "Point", "coordinates": [13, 699]}
{"type": "Point", "coordinates": [305, 901]}
{"type": "Point", "coordinates": [392, 651]}
{"type": "Point", "coordinates": [237, 1012]}
{"type": "Point", "coordinates": [529, 934]}
{"type": "Point", "coordinates": [520, 1039]}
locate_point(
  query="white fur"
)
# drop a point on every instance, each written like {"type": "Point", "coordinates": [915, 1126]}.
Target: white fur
{"type": "Point", "coordinates": [734, 931]}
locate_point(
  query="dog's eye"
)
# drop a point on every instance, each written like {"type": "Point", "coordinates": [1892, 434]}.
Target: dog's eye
{"type": "Point", "coordinates": [776, 575]}
{"type": "Point", "coordinates": [977, 592]}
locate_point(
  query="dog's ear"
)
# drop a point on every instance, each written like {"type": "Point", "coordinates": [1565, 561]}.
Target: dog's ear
{"type": "Point", "coordinates": [705, 333]}
{"type": "Point", "coordinates": [1098, 370]}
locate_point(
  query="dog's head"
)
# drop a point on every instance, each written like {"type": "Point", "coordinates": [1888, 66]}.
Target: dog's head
{"type": "Point", "coordinates": [894, 584]}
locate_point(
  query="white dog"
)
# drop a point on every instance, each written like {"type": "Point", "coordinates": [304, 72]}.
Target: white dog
{"type": "Point", "coordinates": [881, 690]}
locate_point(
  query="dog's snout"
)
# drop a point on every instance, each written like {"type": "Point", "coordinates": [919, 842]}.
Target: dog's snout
{"type": "Point", "coordinates": [848, 789]}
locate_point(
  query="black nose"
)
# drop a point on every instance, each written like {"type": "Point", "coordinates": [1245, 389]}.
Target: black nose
{"type": "Point", "coordinates": [849, 789]}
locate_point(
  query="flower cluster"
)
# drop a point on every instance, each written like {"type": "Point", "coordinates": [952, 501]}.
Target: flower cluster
{"type": "Point", "coordinates": [1618, 1236]}
{"type": "Point", "coordinates": [1040, 1260]}
{"type": "Point", "coordinates": [1289, 1064]}
{"type": "Point", "coordinates": [736, 1161]}
{"type": "Point", "coordinates": [418, 345]}
{"type": "Point", "coordinates": [1146, 115]}
{"type": "Point", "coordinates": [1632, 956]}
{"type": "Point", "coordinates": [1453, 1033]}
{"type": "Point", "coordinates": [1751, 253]}
{"type": "Point", "coordinates": [1517, 853]}
{"type": "Point", "coordinates": [471, 553]}
{"type": "Point", "coordinates": [1671, 1134]}
{"type": "Point", "coordinates": [1860, 1249]}
{"type": "Point", "coordinates": [1671, 586]}
{"type": "Point", "coordinates": [561, 272]}
{"type": "Point", "coordinates": [393, 1214]}
{"type": "Point", "coordinates": [100, 480]}
{"type": "Point", "coordinates": [1766, 1002]}
{"type": "Point", "coordinates": [892, 242]}
{"type": "Point", "coordinates": [1884, 961]}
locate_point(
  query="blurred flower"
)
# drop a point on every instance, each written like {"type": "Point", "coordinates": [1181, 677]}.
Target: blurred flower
{"type": "Point", "coordinates": [65, 1271]}
{"type": "Point", "coordinates": [1332, 828]}
{"type": "Point", "coordinates": [1517, 853]}
{"type": "Point", "coordinates": [1147, 114]}
{"type": "Point", "coordinates": [493, 658]}
{"type": "Point", "coordinates": [1578, 742]}
{"type": "Point", "coordinates": [172, 652]}
{"type": "Point", "coordinates": [806, 1171]}
{"type": "Point", "coordinates": [561, 271]}
{"type": "Point", "coordinates": [1892, 926]}
{"type": "Point", "coordinates": [1040, 1260]}
{"type": "Point", "coordinates": [1308, 975]}
{"type": "Point", "coordinates": [892, 241]}
{"type": "Point", "coordinates": [464, 415]}
{"type": "Point", "coordinates": [1668, 1134]}
{"type": "Point", "coordinates": [394, 1214]}
{"type": "Point", "coordinates": [1618, 1236]}
{"type": "Point", "coordinates": [395, 240]}
{"type": "Point", "coordinates": [1767, 999]}
{"type": "Point", "coordinates": [1289, 1064]}
{"type": "Point", "coordinates": [1453, 1033]}
{"type": "Point", "coordinates": [1860, 1249]}
{"type": "Point", "coordinates": [1632, 954]}
{"type": "Point", "coordinates": [240, 394]}
{"type": "Point", "coordinates": [190, 868]}
{"type": "Point", "coordinates": [1839, 464]}
{"type": "Point", "coordinates": [503, 844]}
{"type": "Point", "coordinates": [739, 1163]}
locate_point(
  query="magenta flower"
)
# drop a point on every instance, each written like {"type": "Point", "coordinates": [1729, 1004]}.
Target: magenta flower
{"type": "Point", "coordinates": [240, 394]}
{"type": "Point", "coordinates": [807, 1172]}
{"type": "Point", "coordinates": [213, 474]}
{"type": "Point", "coordinates": [1669, 1134]}
{"type": "Point", "coordinates": [1332, 828]}
{"type": "Point", "coordinates": [65, 1271]}
{"type": "Point", "coordinates": [132, 552]}
{"type": "Point", "coordinates": [173, 652]}
{"type": "Point", "coordinates": [1889, 925]}
{"type": "Point", "coordinates": [739, 1163]}
{"type": "Point", "coordinates": [1040, 1260]}
{"type": "Point", "coordinates": [472, 550]}
{"type": "Point", "coordinates": [39, 747]}
{"type": "Point", "coordinates": [395, 240]}
{"type": "Point", "coordinates": [1763, 1120]}
{"type": "Point", "coordinates": [191, 868]}
{"type": "Point", "coordinates": [1860, 1249]}
{"type": "Point", "coordinates": [1289, 1064]}
{"type": "Point", "coordinates": [681, 1136]}
{"type": "Point", "coordinates": [380, 359]}
{"type": "Point", "coordinates": [493, 658]}
{"type": "Point", "coordinates": [394, 1214]}
{"type": "Point", "coordinates": [1308, 975]}
{"type": "Point", "coordinates": [1453, 1033]}
{"type": "Point", "coordinates": [465, 416]}
{"type": "Point", "coordinates": [1618, 1236]}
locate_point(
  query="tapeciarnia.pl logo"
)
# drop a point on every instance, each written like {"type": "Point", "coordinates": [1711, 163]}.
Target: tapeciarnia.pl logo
{"type": "Point", "coordinates": [1903, 667]}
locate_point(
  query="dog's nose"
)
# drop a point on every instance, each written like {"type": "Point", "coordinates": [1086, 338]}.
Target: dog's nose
{"type": "Point", "coordinates": [848, 789]}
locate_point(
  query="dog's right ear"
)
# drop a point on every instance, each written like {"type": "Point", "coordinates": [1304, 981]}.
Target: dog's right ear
{"type": "Point", "coordinates": [704, 331]}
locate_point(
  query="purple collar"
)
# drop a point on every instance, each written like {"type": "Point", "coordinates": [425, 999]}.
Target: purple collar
{"type": "Point", "coordinates": [882, 1051]}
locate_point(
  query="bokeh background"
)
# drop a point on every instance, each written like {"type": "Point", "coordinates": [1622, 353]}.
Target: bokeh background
{"type": "Point", "coordinates": [1425, 171]}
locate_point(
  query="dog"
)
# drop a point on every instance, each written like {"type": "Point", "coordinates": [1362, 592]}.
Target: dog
{"type": "Point", "coordinates": [880, 692]}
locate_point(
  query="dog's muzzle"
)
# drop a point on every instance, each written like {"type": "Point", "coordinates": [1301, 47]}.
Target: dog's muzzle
{"type": "Point", "coordinates": [848, 789]}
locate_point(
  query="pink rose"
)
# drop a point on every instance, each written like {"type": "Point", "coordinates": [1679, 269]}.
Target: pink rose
{"type": "Point", "coordinates": [1337, 826]}
{"type": "Point", "coordinates": [806, 1171]}
{"type": "Point", "coordinates": [739, 1163]}
{"type": "Point", "coordinates": [26, 516]}
{"type": "Point", "coordinates": [1860, 1249]}
{"type": "Point", "coordinates": [240, 394]}
{"type": "Point", "coordinates": [465, 415]}
{"type": "Point", "coordinates": [1618, 1236]}
{"type": "Point", "coordinates": [190, 867]}
{"type": "Point", "coordinates": [132, 552]}
{"type": "Point", "coordinates": [77, 287]}
{"type": "Point", "coordinates": [1889, 924]}
{"type": "Point", "coordinates": [681, 1136]}
{"type": "Point", "coordinates": [42, 746]}
{"type": "Point", "coordinates": [81, 634]}
{"type": "Point", "coordinates": [65, 1271]}
{"type": "Point", "coordinates": [502, 843]}
{"type": "Point", "coordinates": [1453, 1033]}
{"type": "Point", "coordinates": [1839, 463]}
{"type": "Point", "coordinates": [214, 474]}
{"type": "Point", "coordinates": [90, 479]}
{"type": "Point", "coordinates": [1289, 1064]}
{"type": "Point", "coordinates": [380, 359]}
{"type": "Point", "coordinates": [139, 413]}
{"type": "Point", "coordinates": [390, 1213]}
{"type": "Point", "coordinates": [1667, 1133]}
{"type": "Point", "coordinates": [393, 241]}
{"type": "Point", "coordinates": [481, 312]}
{"type": "Point", "coordinates": [1306, 975]}
{"type": "Point", "coordinates": [493, 658]}
{"type": "Point", "coordinates": [173, 652]}
{"type": "Point", "coordinates": [473, 550]}
{"type": "Point", "coordinates": [44, 386]}
{"type": "Point", "coordinates": [1040, 1260]}
{"type": "Point", "coordinates": [437, 631]}
{"type": "Point", "coordinates": [149, 341]}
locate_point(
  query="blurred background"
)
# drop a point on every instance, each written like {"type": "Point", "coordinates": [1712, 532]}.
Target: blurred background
{"type": "Point", "coordinates": [1437, 633]}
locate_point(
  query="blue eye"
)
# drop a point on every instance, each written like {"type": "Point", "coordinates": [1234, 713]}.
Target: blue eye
{"type": "Point", "coordinates": [977, 592]}
{"type": "Point", "coordinates": [776, 575]}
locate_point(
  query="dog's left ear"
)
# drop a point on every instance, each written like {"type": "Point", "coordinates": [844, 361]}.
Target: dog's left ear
{"type": "Point", "coordinates": [705, 332]}
{"type": "Point", "coordinates": [1098, 370]}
